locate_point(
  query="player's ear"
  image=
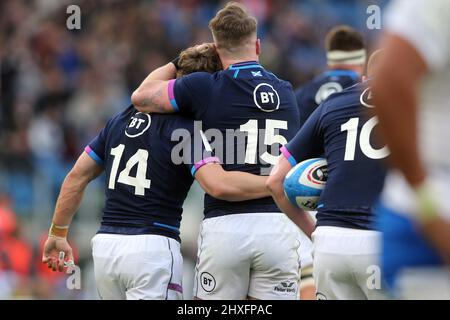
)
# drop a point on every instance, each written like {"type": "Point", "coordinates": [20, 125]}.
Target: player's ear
{"type": "Point", "coordinates": [258, 47]}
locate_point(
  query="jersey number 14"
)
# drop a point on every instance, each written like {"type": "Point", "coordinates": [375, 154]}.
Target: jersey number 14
{"type": "Point", "coordinates": [139, 182]}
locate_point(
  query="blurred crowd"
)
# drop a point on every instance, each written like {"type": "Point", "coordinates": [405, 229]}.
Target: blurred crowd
{"type": "Point", "coordinates": [58, 87]}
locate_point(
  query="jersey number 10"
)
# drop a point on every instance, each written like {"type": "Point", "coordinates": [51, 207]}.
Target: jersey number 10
{"type": "Point", "coordinates": [351, 126]}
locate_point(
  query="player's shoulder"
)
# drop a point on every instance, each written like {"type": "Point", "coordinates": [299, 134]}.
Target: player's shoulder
{"type": "Point", "coordinates": [347, 98]}
{"type": "Point", "coordinates": [339, 78]}
{"type": "Point", "coordinates": [200, 76]}
{"type": "Point", "coordinates": [122, 116]}
{"type": "Point", "coordinates": [309, 86]}
{"type": "Point", "coordinates": [430, 32]}
{"type": "Point", "coordinates": [166, 124]}
{"type": "Point", "coordinates": [253, 72]}
{"type": "Point", "coordinates": [158, 121]}
{"type": "Point", "coordinates": [417, 7]}
{"type": "Point", "coordinates": [345, 78]}
{"type": "Point", "coordinates": [278, 81]}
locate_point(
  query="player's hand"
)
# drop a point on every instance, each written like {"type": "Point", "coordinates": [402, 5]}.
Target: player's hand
{"type": "Point", "coordinates": [204, 45]}
{"type": "Point", "coordinates": [56, 252]}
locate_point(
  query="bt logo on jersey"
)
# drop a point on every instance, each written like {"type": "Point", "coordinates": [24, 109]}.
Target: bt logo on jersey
{"type": "Point", "coordinates": [139, 123]}
{"type": "Point", "coordinates": [326, 90]}
{"type": "Point", "coordinates": [266, 97]}
{"type": "Point", "coordinates": [207, 281]}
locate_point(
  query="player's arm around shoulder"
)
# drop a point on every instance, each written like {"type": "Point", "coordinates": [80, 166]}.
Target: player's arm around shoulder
{"type": "Point", "coordinates": [153, 95]}
{"type": "Point", "coordinates": [231, 185]}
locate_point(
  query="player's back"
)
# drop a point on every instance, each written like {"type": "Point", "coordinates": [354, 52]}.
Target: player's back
{"type": "Point", "coordinates": [249, 112]}
{"type": "Point", "coordinates": [144, 188]}
{"type": "Point", "coordinates": [355, 171]}
{"type": "Point", "coordinates": [313, 93]}
{"type": "Point", "coordinates": [345, 242]}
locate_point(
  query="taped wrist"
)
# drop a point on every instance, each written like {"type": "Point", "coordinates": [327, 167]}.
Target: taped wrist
{"type": "Point", "coordinates": [306, 277]}
{"type": "Point", "coordinates": [427, 204]}
{"type": "Point", "coordinates": [175, 62]}
{"type": "Point", "coordinates": [58, 231]}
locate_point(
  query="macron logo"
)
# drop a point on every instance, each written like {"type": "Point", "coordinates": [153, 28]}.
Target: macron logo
{"type": "Point", "coordinates": [256, 73]}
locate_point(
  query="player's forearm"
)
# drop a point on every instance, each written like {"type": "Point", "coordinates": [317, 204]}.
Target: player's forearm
{"type": "Point", "coordinates": [147, 97]}
{"type": "Point", "coordinates": [297, 215]}
{"type": "Point", "coordinates": [69, 199]}
{"type": "Point", "coordinates": [164, 73]}
{"type": "Point", "coordinates": [72, 189]}
{"type": "Point", "coordinates": [275, 186]}
{"type": "Point", "coordinates": [241, 186]}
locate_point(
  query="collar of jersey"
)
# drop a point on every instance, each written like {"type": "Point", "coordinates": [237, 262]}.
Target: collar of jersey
{"type": "Point", "coordinates": [254, 64]}
{"type": "Point", "coordinates": [340, 73]}
{"type": "Point", "coordinates": [244, 65]}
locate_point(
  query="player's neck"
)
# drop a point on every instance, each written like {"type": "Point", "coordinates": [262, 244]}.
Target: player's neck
{"type": "Point", "coordinates": [355, 68]}
{"type": "Point", "coordinates": [227, 62]}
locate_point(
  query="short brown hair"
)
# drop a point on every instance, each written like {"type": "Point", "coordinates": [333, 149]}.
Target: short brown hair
{"type": "Point", "coordinates": [344, 38]}
{"type": "Point", "coordinates": [199, 58]}
{"type": "Point", "coordinates": [232, 25]}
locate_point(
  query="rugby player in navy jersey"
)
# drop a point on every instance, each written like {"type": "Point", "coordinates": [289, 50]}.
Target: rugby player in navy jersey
{"type": "Point", "coordinates": [137, 251]}
{"type": "Point", "coordinates": [246, 249]}
{"type": "Point", "coordinates": [344, 243]}
{"type": "Point", "coordinates": [346, 59]}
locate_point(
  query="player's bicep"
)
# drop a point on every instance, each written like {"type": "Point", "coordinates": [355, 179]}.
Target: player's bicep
{"type": "Point", "coordinates": [231, 185]}
{"type": "Point", "coordinates": [280, 169]}
{"type": "Point", "coordinates": [190, 94]}
{"type": "Point", "coordinates": [276, 179]}
{"type": "Point", "coordinates": [201, 154]}
{"type": "Point", "coordinates": [208, 174]}
{"type": "Point", "coordinates": [96, 148]}
{"type": "Point", "coordinates": [86, 168]}
{"type": "Point", "coordinates": [154, 97]}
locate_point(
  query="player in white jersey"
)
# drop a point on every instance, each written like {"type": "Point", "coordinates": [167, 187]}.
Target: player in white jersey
{"type": "Point", "coordinates": [412, 94]}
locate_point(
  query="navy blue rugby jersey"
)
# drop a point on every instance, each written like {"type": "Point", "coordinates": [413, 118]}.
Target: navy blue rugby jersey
{"type": "Point", "coordinates": [341, 129]}
{"type": "Point", "coordinates": [313, 93]}
{"type": "Point", "coordinates": [247, 113]}
{"type": "Point", "coordinates": [147, 174]}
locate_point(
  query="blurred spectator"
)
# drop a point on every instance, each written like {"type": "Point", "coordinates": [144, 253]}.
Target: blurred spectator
{"type": "Point", "coordinates": [15, 256]}
{"type": "Point", "coordinates": [22, 274]}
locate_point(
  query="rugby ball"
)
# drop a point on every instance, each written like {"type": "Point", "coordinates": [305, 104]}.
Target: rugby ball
{"type": "Point", "coordinates": [304, 183]}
